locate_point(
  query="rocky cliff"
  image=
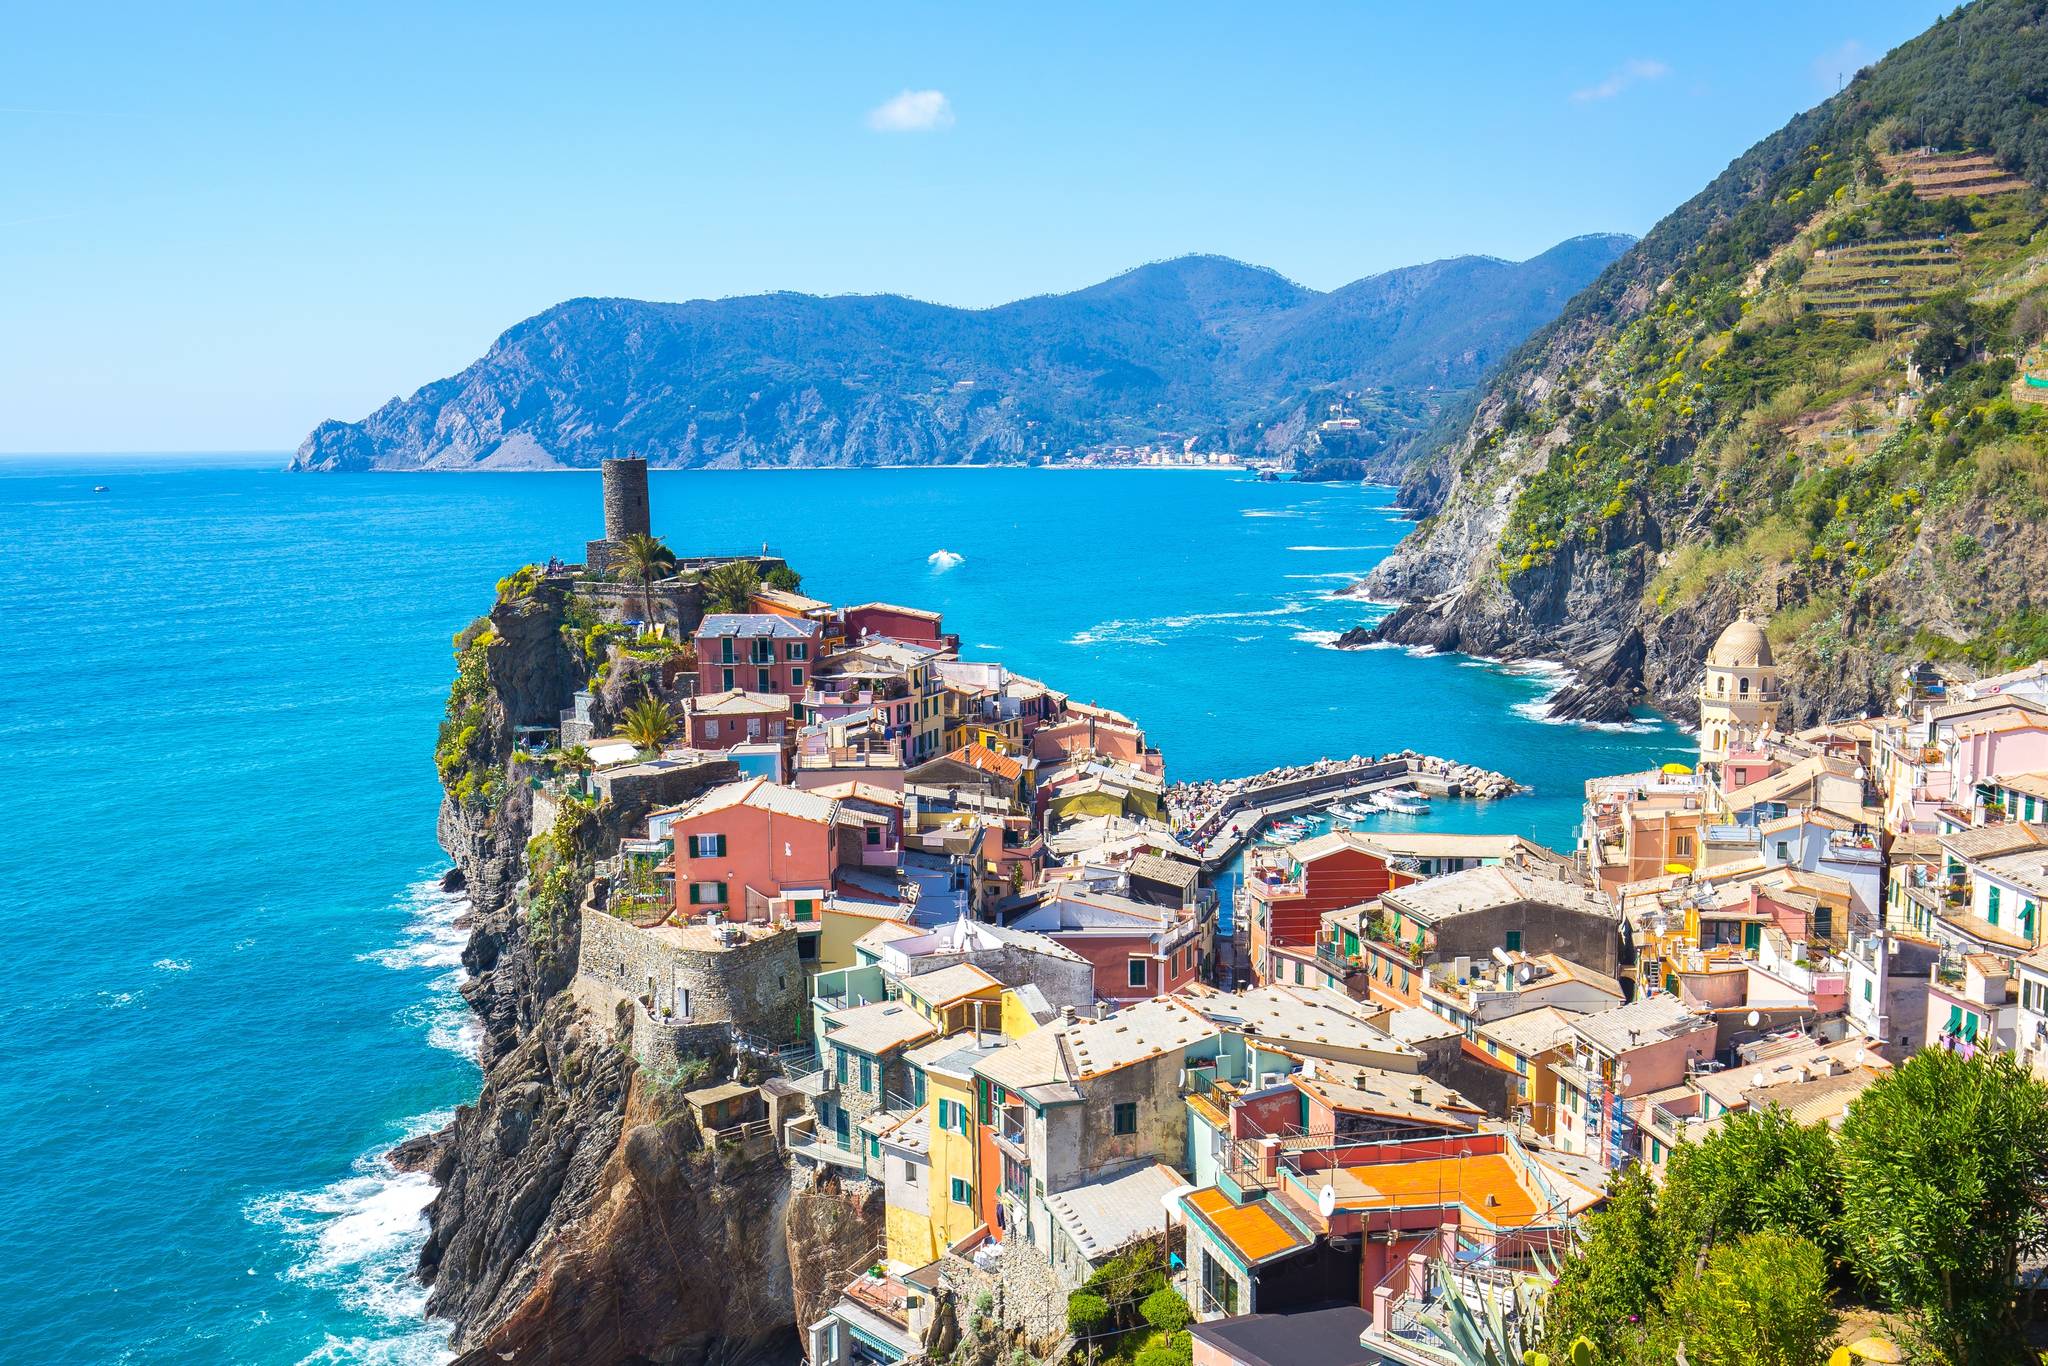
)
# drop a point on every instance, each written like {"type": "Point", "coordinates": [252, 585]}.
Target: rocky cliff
{"type": "Point", "coordinates": [1804, 392]}
{"type": "Point", "coordinates": [1198, 348]}
{"type": "Point", "coordinates": [581, 1217]}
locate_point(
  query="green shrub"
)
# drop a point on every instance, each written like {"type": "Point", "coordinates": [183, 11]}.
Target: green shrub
{"type": "Point", "coordinates": [1086, 1313]}
{"type": "Point", "coordinates": [1167, 1349]}
{"type": "Point", "coordinates": [1165, 1310]}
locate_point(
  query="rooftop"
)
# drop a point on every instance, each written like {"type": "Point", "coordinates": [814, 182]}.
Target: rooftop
{"type": "Point", "coordinates": [766, 625]}
{"type": "Point", "coordinates": [877, 1028]}
{"type": "Point", "coordinates": [740, 702]}
{"type": "Point", "coordinates": [1251, 1230]}
{"type": "Point", "coordinates": [948, 985]}
{"type": "Point", "coordinates": [763, 795]}
{"type": "Point", "coordinates": [1112, 1212]}
{"type": "Point", "coordinates": [1649, 1020]}
{"type": "Point", "coordinates": [1325, 1337]}
{"type": "Point", "coordinates": [1297, 1015]}
{"type": "Point", "coordinates": [1494, 887]}
{"type": "Point", "coordinates": [1382, 1094]}
{"type": "Point", "coordinates": [1993, 841]}
{"type": "Point", "coordinates": [1532, 1032]}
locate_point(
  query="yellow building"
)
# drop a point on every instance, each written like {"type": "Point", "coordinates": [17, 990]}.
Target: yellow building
{"type": "Point", "coordinates": [934, 1183]}
{"type": "Point", "coordinates": [1739, 696]}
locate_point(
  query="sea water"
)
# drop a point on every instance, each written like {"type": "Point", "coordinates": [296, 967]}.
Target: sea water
{"type": "Point", "coordinates": [233, 981]}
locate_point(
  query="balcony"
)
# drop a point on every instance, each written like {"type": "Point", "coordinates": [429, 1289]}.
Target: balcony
{"type": "Point", "coordinates": [801, 1139]}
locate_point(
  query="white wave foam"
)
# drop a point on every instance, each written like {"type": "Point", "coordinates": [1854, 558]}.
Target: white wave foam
{"type": "Point", "coordinates": [360, 1238]}
{"type": "Point", "coordinates": [120, 1000]}
{"type": "Point", "coordinates": [434, 937]}
{"type": "Point", "coordinates": [1316, 548]}
{"type": "Point", "coordinates": [172, 965]}
{"type": "Point", "coordinates": [1273, 512]}
{"type": "Point", "coordinates": [942, 560]}
{"type": "Point", "coordinates": [1326, 640]}
{"type": "Point", "coordinates": [1141, 632]}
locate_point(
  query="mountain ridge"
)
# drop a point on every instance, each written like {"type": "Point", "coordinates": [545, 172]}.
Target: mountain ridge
{"type": "Point", "coordinates": [1197, 347]}
{"type": "Point", "coordinates": [1800, 394]}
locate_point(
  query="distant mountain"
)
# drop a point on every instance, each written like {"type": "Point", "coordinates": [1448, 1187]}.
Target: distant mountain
{"type": "Point", "coordinates": [1197, 347]}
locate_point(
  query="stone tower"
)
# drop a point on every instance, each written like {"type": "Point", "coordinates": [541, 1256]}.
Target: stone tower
{"type": "Point", "coordinates": [625, 511]}
{"type": "Point", "coordinates": [1739, 696]}
{"type": "Point", "coordinates": [625, 499]}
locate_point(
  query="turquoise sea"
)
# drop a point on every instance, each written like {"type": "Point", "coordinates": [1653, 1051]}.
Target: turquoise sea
{"type": "Point", "coordinates": [233, 983]}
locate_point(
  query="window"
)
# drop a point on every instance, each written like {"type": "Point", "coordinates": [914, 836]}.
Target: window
{"type": "Point", "coordinates": [1743, 687]}
{"type": "Point", "coordinates": [839, 1067]}
{"type": "Point", "coordinates": [1125, 1117]}
{"type": "Point", "coordinates": [796, 678]}
{"type": "Point", "coordinates": [1784, 852]}
{"type": "Point", "coordinates": [727, 683]}
{"type": "Point", "coordinates": [1991, 903]}
{"type": "Point", "coordinates": [707, 894]}
{"type": "Point", "coordinates": [874, 834]}
{"type": "Point", "coordinates": [1137, 972]}
{"type": "Point", "coordinates": [725, 654]}
{"type": "Point", "coordinates": [766, 680]}
{"type": "Point", "coordinates": [867, 1075]}
{"type": "Point", "coordinates": [1682, 845]}
{"type": "Point", "coordinates": [799, 650]}
{"type": "Point", "coordinates": [963, 1194]}
{"type": "Point", "coordinates": [874, 1146]}
{"type": "Point", "coordinates": [711, 729]}
{"type": "Point", "coordinates": [1514, 941]}
{"type": "Point", "coordinates": [707, 846]}
{"type": "Point", "coordinates": [806, 910]}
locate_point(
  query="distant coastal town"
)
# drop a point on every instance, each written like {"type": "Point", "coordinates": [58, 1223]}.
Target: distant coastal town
{"type": "Point", "coordinates": [1238, 1071]}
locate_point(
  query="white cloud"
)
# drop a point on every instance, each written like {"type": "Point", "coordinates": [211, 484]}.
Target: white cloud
{"type": "Point", "coordinates": [1634, 71]}
{"type": "Point", "coordinates": [1835, 66]}
{"type": "Point", "coordinates": [913, 111]}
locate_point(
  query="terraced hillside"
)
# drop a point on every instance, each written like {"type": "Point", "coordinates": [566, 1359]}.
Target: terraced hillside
{"type": "Point", "coordinates": [1890, 274]}
{"type": "Point", "coordinates": [1802, 393]}
{"type": "Point", "coordinates": [1951, 175]}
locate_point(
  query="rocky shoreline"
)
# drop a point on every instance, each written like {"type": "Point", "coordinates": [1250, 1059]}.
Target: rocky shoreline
{"type": "Point", "coordinates": [578, 1206]}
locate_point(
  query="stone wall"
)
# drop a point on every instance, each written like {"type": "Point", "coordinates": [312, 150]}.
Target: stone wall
{"type": "Point", "coordinates": [1590, 939]}
{"type": "Point", "coordinates": [625, 499]}
{"type": "Point", "coordinates": [756, 986]}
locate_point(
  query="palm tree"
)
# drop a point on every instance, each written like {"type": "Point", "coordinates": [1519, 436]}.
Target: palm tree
{"type": "Point", "coordinates": [576, 761]}
{"type": "Point", "coordinates": [645, 558]}
{"type": "Point", "coordinates": [647, 723]}
{"type": "Point", "coordinates": [731, 587]}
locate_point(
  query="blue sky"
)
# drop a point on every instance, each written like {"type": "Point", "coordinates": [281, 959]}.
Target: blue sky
{"type": "Point", "coordinates": [220, 224]}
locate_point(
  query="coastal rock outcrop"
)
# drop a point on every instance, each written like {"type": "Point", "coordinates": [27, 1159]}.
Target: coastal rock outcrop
{"type": "Point", "coordinates": [580, 1216]}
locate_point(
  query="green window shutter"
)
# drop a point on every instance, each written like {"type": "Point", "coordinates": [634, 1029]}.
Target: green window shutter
{"type": "Point", "coordinates": [718, 847]}
{"type": "Point", "coordinates": [722, 898]}
{"type": "Point", "coordinates": [696, 896]}
{"type": "Point", "coordinates": [1991, 904]}
{"type": "Point", "coordinates": [1514, 941]}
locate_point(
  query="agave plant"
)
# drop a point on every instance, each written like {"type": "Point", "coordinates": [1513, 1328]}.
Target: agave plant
{"type": "Point", "coordinates": [1491, 1336]}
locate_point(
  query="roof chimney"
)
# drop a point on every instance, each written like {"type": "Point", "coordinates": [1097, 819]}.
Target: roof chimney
{"type": "Point", "coordinates": [1415, 1093]}
{"type": "Point", "coordinates": [1066, 1015]}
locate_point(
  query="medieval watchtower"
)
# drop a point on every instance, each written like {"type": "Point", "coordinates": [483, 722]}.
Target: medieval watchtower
{"type": "Point", "coordinates": [625, 511]}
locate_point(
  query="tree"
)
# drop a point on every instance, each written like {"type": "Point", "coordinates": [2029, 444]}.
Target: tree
{"type": "Point", "coordinates": [647, 723]}
{"type": "Point", "coordinates": [1944, 1173]}
{"type": "Point", "coordinates": [784, 579]}
{"type": "Point", "coordinates": [731, 587]}
{"type": "Point", "coordinates": [1165, 1310]}
{"type": "Point", "coordinates": [644, 558]}
{"type": "Point", "coordinates": [1760, 1301]}
{"type": "Point", "coordinates": [1608, 1288]}
{"type": "Point", "coordinates": [1759, 1171]}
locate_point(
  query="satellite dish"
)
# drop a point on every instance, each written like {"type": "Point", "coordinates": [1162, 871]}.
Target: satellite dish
{"type": "Point", "coordinates": [1859, 1057]}
{"type": "Point", "coordinates": [1625, 1079]}
{"type": "Point", "coordinates": [1527, 971]}
{"type": "Point", "coordinates": [1754, 1019]}
{"type": "Point", "coordinates": [1326, 1200]}
{"type": "Point", "coordinates": [1757, 1079]}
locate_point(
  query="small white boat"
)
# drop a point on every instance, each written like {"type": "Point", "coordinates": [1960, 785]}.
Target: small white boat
{"type": "Point", "coordinates": [1406, 807]}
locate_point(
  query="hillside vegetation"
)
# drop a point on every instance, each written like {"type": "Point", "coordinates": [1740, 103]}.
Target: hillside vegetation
{"type": "Point", "coordinates": [1804, 392]}
{"type": "Point", "coordinates": [1201, 347]}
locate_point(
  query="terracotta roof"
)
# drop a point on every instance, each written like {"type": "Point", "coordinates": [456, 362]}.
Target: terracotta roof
{"type": "Point", "coordinates": [1532, 1032]}
{"type": "Point", "coordinates": [1990, 841]}
{"type": "Point", "coordinates": [988, 761]}
{"type": "Point", "coordinates": [1487, 1184]}
{"type": "Point", "coordinates": [739, 702]}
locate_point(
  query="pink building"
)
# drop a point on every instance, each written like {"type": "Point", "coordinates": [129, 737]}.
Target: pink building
{"type": "Point", "coordinates": [1138, 950]}
{"type": "Point", "coordinates": [755, 850]}
{"type": "Point", "coordinates": [897, 623]}
{"type": "Point", "coordinates": [755, 652]}
{"type": "Point", "coordinates": [721, 720]}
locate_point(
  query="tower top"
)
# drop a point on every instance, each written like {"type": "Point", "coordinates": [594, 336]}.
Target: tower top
{"type": "Point", "coordinates": [1744, 645]}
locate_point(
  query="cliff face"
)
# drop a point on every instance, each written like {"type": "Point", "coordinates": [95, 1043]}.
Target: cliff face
{"type": "Point", "coordinates": [1799, 394]}
{"type": "Point", "coordinates": [580, 1216]}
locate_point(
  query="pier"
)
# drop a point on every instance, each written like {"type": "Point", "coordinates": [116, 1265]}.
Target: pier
{"type": "Point", "coordinates": [1217, 820]}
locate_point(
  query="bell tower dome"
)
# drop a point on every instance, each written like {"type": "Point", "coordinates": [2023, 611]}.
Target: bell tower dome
{"type": "Point", "coordinates": [1739, 695]}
